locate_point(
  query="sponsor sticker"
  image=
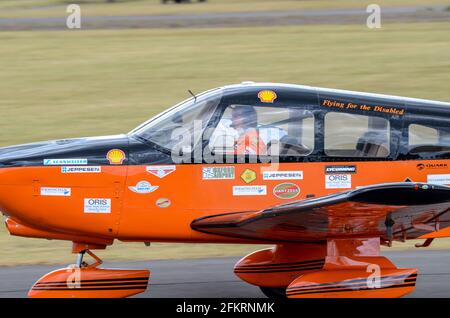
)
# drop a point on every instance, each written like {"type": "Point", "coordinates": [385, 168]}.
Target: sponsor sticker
{"type": "Point", "coordinates": [163, 203]}
{"type": "Point", "coordinates": [422, 166]}
{"type": "Point", "coordinates": [439, 179]}
{"type": "Point", "coordinates": [115, 156]}
{"type": "Point", "coordinates": [81, 169]}
{"type": "Point", "coordinates": [143, 187]}
{"type": "Point", "coordinates": [286, 191]}
{"type": "Point", "coordinates": [338, 181]}
{"type": "Point", "coordinates": [218, 173]}
{"type": "Point", "coordinates": [64, 162]}
{"type": "Point", "coordinates": [97, 205]}
{"type": "Point", "coordinates": [249, 190]}
{"type": "Point", "coordinates": [340, 169]}
{"type": "Point", "coordinates": [267, 96]}
{"type": "Point", "coordinates": [161, 171]}
{"type": "Point", "coordinates": [248, 176]}
{"type": "Point", "coordinates": [283, 175]}
{"type": "Point", "coordinates": [56, 192]}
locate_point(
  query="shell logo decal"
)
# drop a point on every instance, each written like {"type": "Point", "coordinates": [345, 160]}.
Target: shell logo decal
{"type": "Point", "coordinates": [267, 96]}
{"type": "Point", "coordinates": [115, 156]}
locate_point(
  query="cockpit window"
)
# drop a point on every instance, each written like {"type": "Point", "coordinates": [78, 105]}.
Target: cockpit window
{"type": "Point", "coordinates": [185, 120]}
{"type": "Point", "coordinates": [426, 139]}
{"type": "Point", "coordinates": [350, 135]}
{"type": "Point", "coordinates": [256, 130]}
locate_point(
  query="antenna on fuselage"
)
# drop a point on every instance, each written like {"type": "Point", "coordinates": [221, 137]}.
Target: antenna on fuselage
{"type": "Point", "coordinates": [193, 95]}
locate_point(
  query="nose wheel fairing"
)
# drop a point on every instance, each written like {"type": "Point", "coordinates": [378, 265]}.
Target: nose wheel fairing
{"type": "Point", "coordinates": [82, 280]}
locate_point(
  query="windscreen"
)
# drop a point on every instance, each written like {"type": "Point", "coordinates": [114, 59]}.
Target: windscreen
{"type": "Point", "coordinates": [189, 118]}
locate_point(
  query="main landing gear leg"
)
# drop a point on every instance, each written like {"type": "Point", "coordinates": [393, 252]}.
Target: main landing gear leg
{"type": "Point", "coordinates": [81, 264]}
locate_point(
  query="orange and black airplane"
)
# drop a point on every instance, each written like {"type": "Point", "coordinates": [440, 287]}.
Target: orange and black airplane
{"type": "Point", "coordinates": [325, 176]}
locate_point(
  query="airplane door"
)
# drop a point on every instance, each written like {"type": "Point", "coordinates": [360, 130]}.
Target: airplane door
{"type": "Point", "coordinates": [155, 202]}
{"type": "Point", "coordinates": [284, 132]}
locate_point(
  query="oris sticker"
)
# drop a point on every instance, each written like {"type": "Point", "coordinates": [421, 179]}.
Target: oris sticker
{"type": "Point", "coordinates": [338, 181]}
{"type": "Point", "coordinates": [286, 191]}
{"type": "Point", "coordinates": [97, 205]}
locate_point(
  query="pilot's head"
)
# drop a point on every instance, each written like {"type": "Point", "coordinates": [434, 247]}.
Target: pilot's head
{"type": "Point", "coordinates": [243, 117]}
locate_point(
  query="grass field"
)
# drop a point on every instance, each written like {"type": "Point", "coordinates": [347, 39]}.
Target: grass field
{"type": "Point", "coordinates": [49, 8]}
{"type": "Point", "coordinates": [69, 84]}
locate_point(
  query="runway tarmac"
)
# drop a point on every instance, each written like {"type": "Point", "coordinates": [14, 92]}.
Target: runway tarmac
{"type": "Point", "coordinates": [214, 278]}
{"type": "Point", "coordinates": [227, 19]}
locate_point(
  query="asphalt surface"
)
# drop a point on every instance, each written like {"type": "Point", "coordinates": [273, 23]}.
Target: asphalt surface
{"type": "Point", "coordinates": [291, 17]}
{"type": "Point", "coordinates": [214, 278]}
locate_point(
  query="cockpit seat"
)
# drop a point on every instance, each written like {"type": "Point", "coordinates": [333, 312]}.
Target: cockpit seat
{"type": "Point", "coordinates": [373, 144]}
{"type": "Point", "coordinates": [289, 145]}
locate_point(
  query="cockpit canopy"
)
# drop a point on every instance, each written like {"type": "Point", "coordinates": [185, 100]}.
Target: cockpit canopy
{"type": "Point", "coordinates": [297, 123]}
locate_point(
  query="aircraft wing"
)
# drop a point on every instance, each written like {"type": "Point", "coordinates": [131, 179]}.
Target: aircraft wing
{"type": "Point", "coordinates": [394, 211]}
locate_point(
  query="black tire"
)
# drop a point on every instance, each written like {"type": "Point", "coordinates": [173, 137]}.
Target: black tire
{"type": "Point", "coordinates": [274, 293]}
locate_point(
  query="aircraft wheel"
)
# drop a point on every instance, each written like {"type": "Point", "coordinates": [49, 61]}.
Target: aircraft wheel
{"type": "Point", "coordinates": [274, 293]}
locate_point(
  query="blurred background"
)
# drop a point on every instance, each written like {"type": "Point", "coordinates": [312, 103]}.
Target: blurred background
{"type": "Point", "coordinates": [133, 58]}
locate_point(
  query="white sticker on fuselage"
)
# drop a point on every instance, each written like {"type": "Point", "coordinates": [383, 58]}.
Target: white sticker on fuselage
{"type": "Point", "coordinates": [81, 169]}
{"type": "Point", "coordinates": [97, 205]}
{"type": "Point", "coordinates": [218, 173]}
{"type": "Point", "coordinates": [65, 162]}
{"type": "Point", "coordinates": [161, 171]}
{"type": "Point", "coordinates": [56, 192]}
{"type": "Point", "coordinates": [439, 179]}
{"type": "Point", "coordinates": [143, 187]}
{"type": "Point", "coordinates": [338, 181]}
{"type": "Point", "coordinates": [249, 190]}
{"type": "Point", "coordinates": [282, 175]}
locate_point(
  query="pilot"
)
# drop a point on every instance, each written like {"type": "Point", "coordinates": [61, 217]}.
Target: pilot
{"type": "Point", "coordinates": [240, 134]}
{"type": "Point", "coordinates": [245, 121]}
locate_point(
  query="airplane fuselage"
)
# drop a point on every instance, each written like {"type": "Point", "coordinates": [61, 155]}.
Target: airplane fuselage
{"type": "Point", "coordinates": [120, 187]}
